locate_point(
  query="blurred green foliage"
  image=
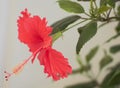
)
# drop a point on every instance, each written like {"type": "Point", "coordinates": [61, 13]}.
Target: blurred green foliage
{"type": "Point", "coordinates": [99, 11]}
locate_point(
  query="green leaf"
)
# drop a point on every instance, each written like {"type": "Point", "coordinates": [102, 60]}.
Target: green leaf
{"type": "Point", "coordinates": [114, 49]}
{"type": "Point", "coordinates": [105, 61]}
{"type": "Point", "coordinates": [92, 9]}
{"type": "Point", "coordinates": [91, 54]}
{"type": "Point", "coordinates": [106, 81]}
{"type": "Point", "coordinates": [62, 24]}
{"type": "Point", "coordinates": [115, 79]}
{"type": "Point", "coordinates": [71, 6]}
{"type": "Point", "coordinates": [113, 37]}
{"type": "Point", "coordinates": [107, 2]}
{"type": "Point", "coordinates": [86, 33]}
{"type": "Point", "coordinates": [84, 0]}
{"type": "Point", "coordinates": [111, 3]}
{"type": "Point", "coordinates": [103, 9]}
{"type": "Point", "coordinates": [103, 2]}
{"type": "Point", "coordinates": [90, 84]}
{"type": "Point", "coordinates": [76, 71]}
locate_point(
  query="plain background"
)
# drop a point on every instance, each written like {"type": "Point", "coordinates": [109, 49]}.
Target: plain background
{"type": "Point", "coordinates": [13, 52]}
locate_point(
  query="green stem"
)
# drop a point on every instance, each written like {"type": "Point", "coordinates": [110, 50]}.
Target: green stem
{"type": "Point", "coordinates": [87, 14]}
{"type": "Point", "coordinates": [74, 25]}
{"type": "Point", "coordinates": [95, 4]}
{"type": "Point", "coordinates": [108, 19]}
{"type": "Point", "coordinates": [101, 25]}
{"type": "Point", "coordinates": [79, 60]}
{"type": "Point", "coordinates": [104, 15]}
{"type": "Point", "coordinates": [89, 76]}
{"type": "Point", "coordinates": [98, 74]}
{"type": "Point", "coordinates": [109, 13]}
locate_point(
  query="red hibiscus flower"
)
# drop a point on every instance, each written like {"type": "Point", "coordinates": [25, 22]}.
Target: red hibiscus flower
{"type": "Point", "coordinates": [34, 32]}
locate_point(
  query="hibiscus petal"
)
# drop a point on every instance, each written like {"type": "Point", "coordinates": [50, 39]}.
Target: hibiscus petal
{"type": "Point", "coordinates": [55, 64]}
{"type": "Point", "coordinates": [33, 31]}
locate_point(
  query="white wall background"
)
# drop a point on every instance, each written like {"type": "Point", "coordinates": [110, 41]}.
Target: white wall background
{"type": "Point", "coordinates": [3, 30]}
{"type": "Point", "coordinates": [13, 52]}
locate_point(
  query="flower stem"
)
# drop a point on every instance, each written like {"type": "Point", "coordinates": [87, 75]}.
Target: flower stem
{"type": "Point", "coordinates": [75, 25]}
